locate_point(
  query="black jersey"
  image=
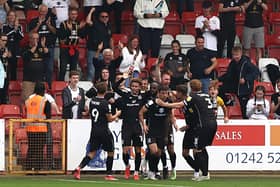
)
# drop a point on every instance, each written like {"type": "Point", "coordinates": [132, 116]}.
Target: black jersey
{"type": "Point", "coordinates": [198, 111]}
{"type": "Point", "coordinates": [98, 109]}
{"type": "Point", "coordinates": [158, 118]}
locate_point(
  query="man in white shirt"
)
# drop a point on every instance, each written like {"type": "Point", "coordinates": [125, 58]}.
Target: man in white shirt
{"type": "Point", "coordinates": [150, 16]}
{"type": "Point", "coordinates": [61, 7]}
{"type": "Point", "coordinates": [208, 26]}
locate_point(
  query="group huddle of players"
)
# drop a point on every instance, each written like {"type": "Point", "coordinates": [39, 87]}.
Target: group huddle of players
{"type": "Point", "coordinates": [150, 114]}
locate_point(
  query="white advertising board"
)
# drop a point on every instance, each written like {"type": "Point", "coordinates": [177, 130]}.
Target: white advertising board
{"type": "Point", "coordinates": [238, 145]}
{"type": "Point", "coordinates": [2, 145]}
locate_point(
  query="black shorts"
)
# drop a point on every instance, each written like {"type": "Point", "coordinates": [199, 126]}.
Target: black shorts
{"type": "Point", "coordinates": [101, 139]}
{"type": "Point", "coordinates": [161, 141]}
{"type": "Point", "coordinates": [132, 135]}
{"type": "Point", "coordinates": [188, 141]}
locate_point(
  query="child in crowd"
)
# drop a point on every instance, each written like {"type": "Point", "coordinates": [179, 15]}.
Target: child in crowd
{"type": "Point", "coordinates": [217, 101]}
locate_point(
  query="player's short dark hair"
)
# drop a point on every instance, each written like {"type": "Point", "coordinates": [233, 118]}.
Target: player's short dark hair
{"type": "Point", "coordinates": [39, 88]}
{"type": "Point", "coordinates": [101, 87]}
{"type": "Point", "coordinates": [260, 88]}
{"type": "Point", "coordinates": [165, 73]}
{"type": "Point", "coordinates": [199, 36]}
{"type": "Point", "coordinates": [182, 88]}
{"type": "Point", "coordinates": [137, 80]}
{"type": "Point", "coordinates": [195, 85]}
{"type": "Point", "coordinates": [163, 88]}
{"type": "Point", "coordinates": [237, 49]}
{"type": "Point", "coordinates": [73, 72]}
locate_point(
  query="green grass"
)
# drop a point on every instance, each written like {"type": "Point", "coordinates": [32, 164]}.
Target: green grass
{"type": "Point", "coordinates": [94, 181]}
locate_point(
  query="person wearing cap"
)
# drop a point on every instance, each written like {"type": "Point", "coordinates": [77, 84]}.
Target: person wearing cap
{"type": "Point", "coordinates": [208, 26]}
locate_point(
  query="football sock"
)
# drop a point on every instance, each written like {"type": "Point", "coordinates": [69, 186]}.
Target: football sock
{"type": "Point", "coordinates": [137, 161]}
{"type": "Point", "coordinates": [109, 165]}
{"type": "Point", "coordinates": [205, 159]}
{"type": "Point", "coordinates": [163, 159]}
{"type": "Point", "coordinates": [147, 155]}
{"type": "Point", "coordinates": [192, 162]}
{"type": "Point", "coordinates": [85, 161]}
{"type": "Point", "coordinates": [152, 163]}
{"type": "Point", "coordinates": [126, 159]}
{"type": "Point", "coordinates": [173, 159]}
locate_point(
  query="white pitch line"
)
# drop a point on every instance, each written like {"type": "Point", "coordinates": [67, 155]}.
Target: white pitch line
{"type": "Point", "coordinates": [122, 183]}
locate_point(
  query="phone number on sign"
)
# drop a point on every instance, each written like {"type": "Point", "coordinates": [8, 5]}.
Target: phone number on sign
{"type": "Point", "coordinates": [254, 157]}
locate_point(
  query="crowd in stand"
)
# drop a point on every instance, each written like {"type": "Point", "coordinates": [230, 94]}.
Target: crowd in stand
{"type": "Point", "coordinates": [59, 22]}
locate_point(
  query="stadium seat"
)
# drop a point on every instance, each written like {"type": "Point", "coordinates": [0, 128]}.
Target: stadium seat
{"type": "Point", "coordinates": [239, 24]}
{"type": "Point", "coordinates": [273, 46]}
{"type": "Point", "coordinates": [274, 19]}
{"type": "Point", "coordinates": [165, 46]}
{"type": "Point", "coordinates": [14, 92]}
{"type": "Point", "coordinates": [222, 66]}
{"type": "Point", "coordinates": [21, 136]}
{"type": "Point", "coordinates": [31, 14]}
{"type": "Point", "coordinates": [127, 22]}
{"type": "Point", "coordinates": [269, 89]}
{"type": "Point", "coordinates": [119, 37]}
{"type": "Point", "coordinates": [263, 62]}
{"type": "Point", "coordinates": [24, 42]}
{"type": "Point", "coordinates": [188, 20]}
{"type": "Point", "coordinates": [173, 24]}
{"type": "Point", "coordinates": [7, 112]}
{"type": "Point", "coordinates": [187, 41]}
{"type": "Point", "coordinates": [57, 87]}
{"type": "Point", "coordinates": [234, 112]}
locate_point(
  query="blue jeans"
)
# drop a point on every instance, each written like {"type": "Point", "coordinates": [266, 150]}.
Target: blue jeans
{"type": "Point", "coordinates": [205, 84]}
{"type": "Point", "coordinates": [90, 66]}
{"type": "Point", "coordinates": [135, 74]}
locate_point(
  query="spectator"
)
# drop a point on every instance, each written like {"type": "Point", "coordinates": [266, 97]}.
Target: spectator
{"type": "Point", "coordinates": [145, 85]}
{"type": "Point", "coordinates": [4, 55]}
{"type": "Point", "coordinates": [258, 107]}
{"type": "Point", "coordinates": [69, 33]}
{"type": "Point", "coordinates": [254, 26]}
{"type": "Point", "coordinates": [97, 32]}
{"type": "Point", "coordinates": [227, 12]}
{"type": "Point", "coordinates": [201, 63]}
{"type": "Point", "coordinates": [73, 98]}
{"type": "Point", "coordinates": [150, 17]}
{"type": "Point", "coordinates": [38, 108]}
{"type": "Point", "coordinates": [132, 61]}
{"type": "Point", "coordinates": [60, 9]}
{"type": "Point", "coordinates": [239, 78]}
{"type": "Point", "coordinates": [275, 101]}
{"type": "Point", "coordinates": [31, 4]}
{"type": "Point", "coordinates": [108, 62]}
{"type": "Point", "coordinates": [208, 26]}
{"type": "Point", "coordinates": [34, 57]}
{"type": "Point", "coordinates": [116, 6]}
{"type": "Point", "coordinates": [216, 101]}
{"type": "Point", "coordinates": [189, 6]}
{"type": "Point", "coordinates": [4, 9]}
{"type": "Point", "coordinates": [176, 65]}
{"type": "Point", "coordinates": [45, 26]}
{"type": "Point", "coordinates": [14, 32]}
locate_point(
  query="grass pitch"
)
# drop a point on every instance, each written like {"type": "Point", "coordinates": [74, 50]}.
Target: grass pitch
{"type": "Point", "coordinates": [98, 181]}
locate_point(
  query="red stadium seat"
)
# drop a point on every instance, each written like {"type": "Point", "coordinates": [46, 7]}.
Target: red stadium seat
{"type": "Point", "coordinates": [274, 18]}
{"type": "Point", "coordinates": [273, 46]}
{"type": "Point", "coordinates": [57, 87]}
{"type": "Point", "coordinates": [234, 112]}
{"type": "Point", "coordinates": [173, 24]}
{"type": "Point", "coordinates": [119, 37]}
{"type": "Point", "coordinates": [222, 66]}
{"type": "Point", "coordinates": [31, 14]}
{"type": "Point", "coordinates": [21, 135]}
{"type": "Point", "coordinates": [269, 89]}
{"type": "Point", "coordinates": [188, 20]}
{"type": "Point", "coordinates": [151, 62]}
{"type": "Point", "coordinates": [83, 59]}
{"type": "Point", "coordinates": [8, 112]}
{"type": "Point", "coordinates": [14, 92]}
{"type": "Point", "coordinates": [127, 22]}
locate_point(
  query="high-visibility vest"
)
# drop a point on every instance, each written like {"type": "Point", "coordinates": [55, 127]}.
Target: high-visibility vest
{"type": "Point", "coordinates": [35, 110]}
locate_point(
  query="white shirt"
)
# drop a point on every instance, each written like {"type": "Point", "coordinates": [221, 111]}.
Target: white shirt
{"type": "Point", "coordinates": [74, 94]}
{"type": "Point", "coordinates": [210, 40]}
{"type": "Point", "coordinates": [128, 60]}
{"type": "Point", "coordinates": [142, 7]}
{"type": "Point", "coordinates": [93, 2]}
{"type": "Point", "coordinates": [61, 6]}
{"type": "Point", "coordinates": [253, 113]}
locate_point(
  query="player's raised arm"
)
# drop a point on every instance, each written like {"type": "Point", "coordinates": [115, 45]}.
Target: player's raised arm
{"type": "Point", "coordinates": [170, 105]}
{"type": "Point", "coordinates": [111, 117]}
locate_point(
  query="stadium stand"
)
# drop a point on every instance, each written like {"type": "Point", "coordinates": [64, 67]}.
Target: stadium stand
{"type": "Point", "coordinates": [222, 66]}
{"type": "Point", "coordinates": [269, 89]}
{"type": "Point", "coordinates": [165, 46]}
{"type": "Point", "coordinates": [263, 62]}
{"type": "Point", "coordinates": [188, 20]}
{"type": "Point", "coordinates": [56, 90]}
{"type": "Point", "coordinates": [14, 92]}
{"type": "Point", "coordinates": [127, 22]}
{"type": "Point", "coordinates": [173, 24]}
{"type": "Point", "coordinates": [187, 41]}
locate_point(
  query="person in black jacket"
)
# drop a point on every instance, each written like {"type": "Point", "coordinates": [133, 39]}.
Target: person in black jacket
{"type": "Point", "coordinates": [239, 78]}
{"type": "Point", "coordinates": [73, 98]}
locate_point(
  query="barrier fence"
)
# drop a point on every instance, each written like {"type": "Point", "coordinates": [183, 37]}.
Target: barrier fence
{"type": "Point", "coordinates": [36, 152]}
